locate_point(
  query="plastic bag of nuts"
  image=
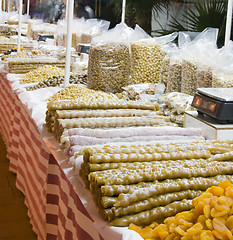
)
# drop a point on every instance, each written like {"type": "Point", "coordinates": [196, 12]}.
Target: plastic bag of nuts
{"type": "Point", "coordinates": [109, 60]}
{"type": "Point", "coordinates": [189, 76]}
{"type": "Point", "coordinates": [165, 70]}
{"type": "Point", "coordinates": [204, 76]}
{"type": "Point", "coordinates": [175, 74]}
{"type": "Point", "coordinates": [221, 80]}
{"type": "Point", "coordinates": [147, 56]}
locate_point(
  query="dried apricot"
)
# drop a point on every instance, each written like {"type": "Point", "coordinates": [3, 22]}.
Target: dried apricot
{"type": "Point", "coordinates": [146, 232]}
{"type": "Point", "coordinates": [215, 190]}
{"type": "Point", "coordinates": [219, 224]}
{"type": "Point", "coordinates": [207, 235]}
{"type": "Point", "coordinates": [206, 211]}
{"type": "Point", "coordinates": [219, 235]}
{"type": "Point", "coordinates": [229, 192]}
{"type": "Point", "coordinates": [215, 213]}
{"type": "Point", "coordinates": [229, 222]}
{"type": "Point", "coordinates": [209, 224]}
{"type": "Point", "coordinates": [225, 184]}
{"type": "Point", "coordinates": [229, 234]}
{"type": "Point", "coordinates": [202, 219]}
{"type": "Point", "coordinates": [180, 231]}
{"type": "Point", "coordinates": [195, 229]}
{"type": "Point", "coordinates": [170, 237]}
{"type": "Point", "coordinates": [134, 228]}
{"type": "Point", "coordinates": [198, 210]}
{"type": "Point", "coordinates": [224, 200]}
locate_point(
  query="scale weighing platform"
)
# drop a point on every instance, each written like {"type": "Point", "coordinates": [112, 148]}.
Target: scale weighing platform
{"type": "Point", "coordinates": [214, 113]}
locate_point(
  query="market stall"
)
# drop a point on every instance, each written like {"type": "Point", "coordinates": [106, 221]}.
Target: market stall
{"type": "Point", "coordinates": [90, 163]}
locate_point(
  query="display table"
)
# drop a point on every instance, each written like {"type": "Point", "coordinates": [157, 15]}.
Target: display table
{"type": "Point", "coordinates": [56, 206]}
{"type": "Point", "coordinates": [211, 128]}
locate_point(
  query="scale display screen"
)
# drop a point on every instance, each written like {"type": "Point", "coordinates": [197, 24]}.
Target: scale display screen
{"type": "Point", "coordinates": [200, 103]}
{"type": "Point", "coordinates": [213, 106]}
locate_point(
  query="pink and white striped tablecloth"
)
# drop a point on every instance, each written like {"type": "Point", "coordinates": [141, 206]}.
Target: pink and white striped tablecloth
{"type": "Point", "coordinates": [54, 207]}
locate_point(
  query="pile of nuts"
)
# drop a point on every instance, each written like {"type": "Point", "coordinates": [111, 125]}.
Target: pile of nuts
{"type": "Point", "coordinates": [109, 67]}
{"type": "Point", "coordinates": [75, 92]}
{"type": "Point", "coordinates": [189, 77]}
{"type": "Point", "coordinates": [147, 58]}
{"type": "Point", "coordinates": [204, 77]}
{"type": "Point", "coordinates": [175, 75]}
{"type": "Point", "coordinates": [58, 80]}
{"type": "Point", "coordinates": [23, 54]}
{"type": "Point", "coordinates": [165, 70]}
{"type": "Point", "coordinates": [40, 74]}
{"type": "Point", "coordinates": [222, 81]}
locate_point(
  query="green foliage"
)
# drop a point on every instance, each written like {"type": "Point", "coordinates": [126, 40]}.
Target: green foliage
{"type": "Point", "coordinates": [207, 13]}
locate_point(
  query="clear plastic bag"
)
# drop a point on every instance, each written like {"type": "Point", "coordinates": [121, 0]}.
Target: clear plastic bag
{"type": "Point", "coordinates": [223, 67]}
{"type": "Point", "coordinates": [179, 102]}
{"type": "Point", "coordinates": [204, 75]}
{"type": "Point", "coordinates": [199, 48]}
{"type": "Point", "coordinates": [189, 76]}
{"type": "Point", "coordinates": [82, 31]}
{"type": "Point", "coordinates": [164, 73]}
{"type": "Point", "coordinates": [109, 60]}
{"type": "Point", "coordinates": [147, 57]}
{"type": "Point", "coordinates": [174, 74]}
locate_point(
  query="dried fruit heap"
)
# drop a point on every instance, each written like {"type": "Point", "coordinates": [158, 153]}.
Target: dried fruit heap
{"type": "Point", "coordinates": [210, 219]}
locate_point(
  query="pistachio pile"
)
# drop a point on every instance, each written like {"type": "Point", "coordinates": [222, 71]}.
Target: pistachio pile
{"type": "Point", "coordinates": [189, 77]}
{"type": "Point", "coordinates": [109, 67]}
{"type": "Point", "coordinates": [204, 77]}
{"type": "Point", "coordinates": [40, 74]}
{"type": "Point", "coordinates": [58, 80]}
{"type": "Point", "coordinates": [165, 70]}
{"type": "Point", "coordinates": [175, 75]}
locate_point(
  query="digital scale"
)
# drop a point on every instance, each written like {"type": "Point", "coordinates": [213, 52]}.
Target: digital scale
{"type": "Point", "coordinates": [216, 103]}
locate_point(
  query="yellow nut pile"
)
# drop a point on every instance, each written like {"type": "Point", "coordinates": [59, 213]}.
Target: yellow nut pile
{"type": "Point", "coordinates": [75, 92]}
{"type": "Point", "coordinates": [147, 58]}
{"type": "Point", "coordinates": [210, 219]}
{"type": "Point", "coordinates": [40, 74]}
{"type": "Point", "coordinates": [23, 54]}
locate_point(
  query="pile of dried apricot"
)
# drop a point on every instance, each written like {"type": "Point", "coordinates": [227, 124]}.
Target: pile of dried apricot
{"type": "Point", "coordinates": [210, 219]}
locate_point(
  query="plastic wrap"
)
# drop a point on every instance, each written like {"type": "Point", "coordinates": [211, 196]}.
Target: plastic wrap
{"type": "Point", "coordinates": [178, 101]}
{"type": "Point", "coordinates": [82, 31]}
{"type": "Point", "coordinates": [109, 60]}
{"type": "Point", "coordinates": [147, 58]}
{"type": "Point", "coordinates": [200, 50]}
{"type": "Point", "coordinates": [30, 23]}
{"type": "Point", "coordinates": [164, 73]}
{"type": "Point", "coordinates": [174, 74]}
{"type": "Point", "coordinates": [44, 28]}
{"type": "Point", "coordinates": [204, 76]}
{"type": "Point", "coordinates": [223, 67]}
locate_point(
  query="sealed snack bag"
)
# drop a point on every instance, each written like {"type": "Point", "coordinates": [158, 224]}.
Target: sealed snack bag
{"type": "Point", "coordinates": [204, 42]}
{"type": "Point", "coordinates": [147, 58]}
{"type": "Point", "coordinates": [109, 60]}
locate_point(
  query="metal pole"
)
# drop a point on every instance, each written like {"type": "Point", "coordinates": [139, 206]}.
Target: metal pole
{"type": "Point", "coordinates": [28, 7]}
{"type": "Point", "coordinates": [67, 3]}
{"type": "Point", "coordinates": [19, 24]}
{"type": "Point", "coordinates": [123, 11]}
{"type": "Point", "coordinates": [68, 40]}
{"type": "Point", "coordinates": [228, 22]}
